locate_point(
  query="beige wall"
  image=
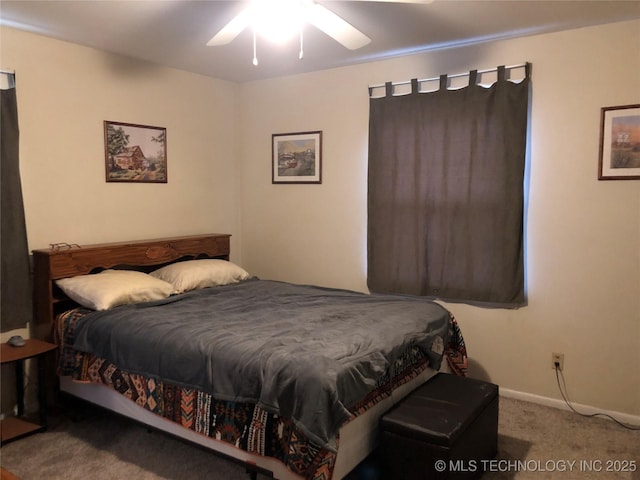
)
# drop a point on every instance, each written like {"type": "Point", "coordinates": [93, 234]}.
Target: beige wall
{"type": "Point", "coordinates": [582, 237]}
{"type": "Point", "coordinates": [66, 91]}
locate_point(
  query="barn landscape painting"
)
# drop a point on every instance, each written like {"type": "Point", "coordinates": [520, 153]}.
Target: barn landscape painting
{"type": "Point", "coordinates": [135, 153]}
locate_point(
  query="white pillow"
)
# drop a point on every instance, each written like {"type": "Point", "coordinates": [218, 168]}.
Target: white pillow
{"type": "Point", "coordinates": [195, 274]}
{"type": "Point", "coordinates": [110, 288]}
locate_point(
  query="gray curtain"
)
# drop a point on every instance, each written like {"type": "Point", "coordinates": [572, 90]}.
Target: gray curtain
{"type": "Point", "coordinates": [445, 192]}
{"type": "Point", "coordinates": [16, 301]}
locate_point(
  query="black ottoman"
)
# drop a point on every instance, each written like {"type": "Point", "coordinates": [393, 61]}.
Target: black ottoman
{"type": "Point", "coordinates": [443, 429]}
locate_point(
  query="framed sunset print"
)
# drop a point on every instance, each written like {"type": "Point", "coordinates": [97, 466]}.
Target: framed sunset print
{"type": "Point", "coordinates": [620, 143]}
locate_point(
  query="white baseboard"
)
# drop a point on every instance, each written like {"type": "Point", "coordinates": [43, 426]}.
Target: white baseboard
{"type": "Point", "coordinates": [625, 418]}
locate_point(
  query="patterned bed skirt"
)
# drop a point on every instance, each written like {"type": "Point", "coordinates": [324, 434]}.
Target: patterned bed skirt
{"type": "Point", "coordinates": [245, 425]}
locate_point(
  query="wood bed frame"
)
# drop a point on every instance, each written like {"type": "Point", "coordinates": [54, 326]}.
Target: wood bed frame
{"type": "Point", "coordinates": [64, 261]}
{"type": "Point", "coordinates": [147, 255]}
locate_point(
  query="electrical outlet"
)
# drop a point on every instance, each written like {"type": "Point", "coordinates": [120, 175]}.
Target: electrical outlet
{"type": "Point", "coordinates": [557, 359]}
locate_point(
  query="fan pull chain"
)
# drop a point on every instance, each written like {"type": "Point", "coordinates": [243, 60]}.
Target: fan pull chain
{"type": "Point", "coordinates": [255, 57]}
{"type": "Point", "coordinates": [301, 55]}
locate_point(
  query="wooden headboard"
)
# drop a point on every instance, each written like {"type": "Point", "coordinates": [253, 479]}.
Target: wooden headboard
{"type": "Point", "coordinates": [55, 263]}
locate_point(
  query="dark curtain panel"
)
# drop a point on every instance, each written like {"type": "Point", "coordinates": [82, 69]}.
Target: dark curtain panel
{"type": "Point", "coordinates": [16, 304]}
{"type": "Point", "coordinates": [445, 192]}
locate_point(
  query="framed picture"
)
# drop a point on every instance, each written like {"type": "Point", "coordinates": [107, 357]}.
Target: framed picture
{"type": "Point", "coordinates": [620, 143]}
{"type": "Point", "coordinates": [135, 153]}
{"type": "Point", "coordinates": [296, 157]}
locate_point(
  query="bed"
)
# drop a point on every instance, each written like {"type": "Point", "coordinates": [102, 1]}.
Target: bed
{"type": "Point", "coordinates": [288, 379]}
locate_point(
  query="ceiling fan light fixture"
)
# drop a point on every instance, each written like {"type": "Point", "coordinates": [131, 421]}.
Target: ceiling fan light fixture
{"type": "Point", "coordinates": [278, 20]}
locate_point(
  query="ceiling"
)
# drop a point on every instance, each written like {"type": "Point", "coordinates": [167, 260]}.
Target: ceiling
{"type": "Point", "coordinates": [175, 32]}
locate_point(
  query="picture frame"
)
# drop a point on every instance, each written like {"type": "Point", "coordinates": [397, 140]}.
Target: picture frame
{"type": "Point", "coordinates": [135, 153]}
{"type": "Point", "coordinates": [296, 157]}
{"type": "Point", "coordinates": [619, 143]}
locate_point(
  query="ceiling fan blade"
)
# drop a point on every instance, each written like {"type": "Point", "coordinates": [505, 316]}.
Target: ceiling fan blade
{"type": "Point", "coordinates": [232, 29]}
{"type": "Point", "coordinates": [337, 28]}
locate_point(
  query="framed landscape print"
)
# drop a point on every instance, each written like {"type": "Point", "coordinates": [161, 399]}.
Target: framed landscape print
{"type": "Point", "coordinates": [620, 143]}
{"type": "Point", "coordinates": [135, 153]}
{"type": "Point", "coordinates": [296, 157]}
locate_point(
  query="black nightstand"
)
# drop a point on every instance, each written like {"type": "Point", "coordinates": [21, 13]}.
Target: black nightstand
{"type": "Point", "coordinates": [13, 428]}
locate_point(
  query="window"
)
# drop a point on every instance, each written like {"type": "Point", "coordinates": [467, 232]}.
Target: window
{"type": "Point", "coordinates": [446, 193]}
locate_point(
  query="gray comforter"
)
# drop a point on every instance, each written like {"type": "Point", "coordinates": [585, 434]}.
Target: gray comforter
{"type": "Point", "coordinates": [307, 353]}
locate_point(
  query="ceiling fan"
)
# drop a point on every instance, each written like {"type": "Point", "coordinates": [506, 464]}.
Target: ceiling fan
{"type": "Point", "coordinates": [281, 19]}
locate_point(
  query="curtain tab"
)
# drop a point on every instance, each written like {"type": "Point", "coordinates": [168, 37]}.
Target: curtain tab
{"type": "Point", "coordinates": [501, 74]}
{"type": "Point", "coordinates": [473, 77]}
{"type": "Point", "coordinates": [414, 86]}
{"type": "Point", "coordinates": [527, 70]}
{"type": "Point", "coordinates": [443, 82]}
{"type": "Point", "coordinates": [388, 86]}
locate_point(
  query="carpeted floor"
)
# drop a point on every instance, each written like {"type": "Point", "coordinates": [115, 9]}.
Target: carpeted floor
{"type": "Point", "coordinates": [535, 442]}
